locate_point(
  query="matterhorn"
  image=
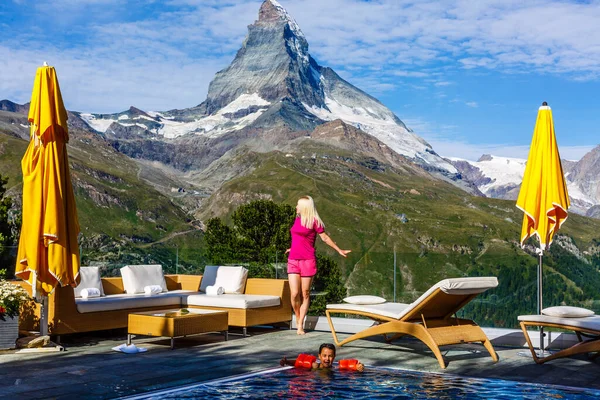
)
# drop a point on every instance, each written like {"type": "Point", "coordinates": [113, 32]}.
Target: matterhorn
{"type": "Point", "coordinates": [272, 92]}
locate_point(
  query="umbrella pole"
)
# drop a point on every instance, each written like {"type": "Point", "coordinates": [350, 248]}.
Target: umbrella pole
{"type": "Point", "coordinates": [44, 316]}
{"type": "Point", "coordinates": [540, 300]}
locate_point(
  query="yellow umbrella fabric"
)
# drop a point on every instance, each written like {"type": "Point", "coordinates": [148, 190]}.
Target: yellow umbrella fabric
{"type": "Point", "coordinates": [543, 196]}
{"type": "Point", "coordinates": [48, 253]}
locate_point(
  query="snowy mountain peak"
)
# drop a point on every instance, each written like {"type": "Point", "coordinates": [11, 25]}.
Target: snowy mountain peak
{"type": "Point", "coordinates": [272, 12]}
{"type": "Point", "coordinates": [273, 16]}
{"type": "Point", "coordinates": [494, 176]}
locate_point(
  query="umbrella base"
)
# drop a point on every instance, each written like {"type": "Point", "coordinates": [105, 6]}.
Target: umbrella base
{"type": "Point", "coordinates": [51, 349]}
{"type": "Point", "coordinates": [38, 344]}
{"type": "Point", "coordinates": [538, 353]}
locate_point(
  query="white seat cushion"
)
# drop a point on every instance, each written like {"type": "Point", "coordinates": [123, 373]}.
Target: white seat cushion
{"type": "Point", "coordinates": [364, 299]}
{"type": "Point", "coordinates": [131, 301]}
{"type": "Point", "coordinates": [390, 310]}
{"type": "Point", "coordinates": [90, 279]}
{"type": "Point", "coordinates": [136, 277]}
{"type": "Point", "coordinates": [232, 279]}
{"type": "Point", "coordinates": [208, 277]}
{"type": "Point", "coordinates": [567, 312]}
{"type": "Point", "coordinates": [231, 300]}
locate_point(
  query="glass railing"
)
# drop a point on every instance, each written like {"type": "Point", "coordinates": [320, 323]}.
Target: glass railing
{"type": "Point", "coordinates": [568, 278]}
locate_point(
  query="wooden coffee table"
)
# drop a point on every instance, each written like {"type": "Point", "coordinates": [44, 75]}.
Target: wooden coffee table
{"type": "Point", "coordinates": [174, 323]}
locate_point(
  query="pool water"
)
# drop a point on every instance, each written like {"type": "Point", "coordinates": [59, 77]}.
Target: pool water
{"type": "Point", "coordinates": [374, 383]}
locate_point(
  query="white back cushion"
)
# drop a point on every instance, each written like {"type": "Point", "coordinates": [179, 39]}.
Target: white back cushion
{"type": "Point", "coordinates": [209, 277]}
{"type": "Point", "coordinates": [136, 277]}
{"type": "Point", "coordinates": [90, 279]}
{"type": "Point", "coordinates": [232, 279]}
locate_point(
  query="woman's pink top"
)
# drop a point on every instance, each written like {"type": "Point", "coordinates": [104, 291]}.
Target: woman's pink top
{"type": "Point", "coordinates": [303, 240]}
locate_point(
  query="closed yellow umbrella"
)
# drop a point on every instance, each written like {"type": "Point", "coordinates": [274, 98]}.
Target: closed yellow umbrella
{"type": "Point", "coordinates": [543, 196]}
{"type": "Point", "coordinates": [48, 253]}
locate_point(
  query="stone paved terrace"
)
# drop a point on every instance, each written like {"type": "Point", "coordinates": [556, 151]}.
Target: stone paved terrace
{"type": "Point", "coordinates": [90, 369]}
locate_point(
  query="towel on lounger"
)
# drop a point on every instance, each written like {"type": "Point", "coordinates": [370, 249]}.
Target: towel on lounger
{"type": "Point", "coordinates": [90, 292]}
{"type": "Point", "coordinates": [152, 289]}
{"type": "Point", "coordinates": [214, 290]}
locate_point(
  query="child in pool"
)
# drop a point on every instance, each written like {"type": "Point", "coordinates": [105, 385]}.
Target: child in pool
{"type": "Point", "coordinates": [326, 359]}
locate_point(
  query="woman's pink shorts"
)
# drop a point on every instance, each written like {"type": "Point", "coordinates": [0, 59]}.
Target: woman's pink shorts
{"type": "Point", "coordinates": [306, 268]}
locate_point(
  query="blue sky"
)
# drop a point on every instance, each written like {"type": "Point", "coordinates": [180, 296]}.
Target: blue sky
{"type": "Point", "coordinates": [468, 76]}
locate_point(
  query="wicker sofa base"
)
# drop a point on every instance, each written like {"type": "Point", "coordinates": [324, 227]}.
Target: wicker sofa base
{"type": "Point", "coordinates": [64, 318]}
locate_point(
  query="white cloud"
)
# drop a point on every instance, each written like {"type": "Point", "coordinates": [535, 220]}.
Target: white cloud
{"type": "Point", "coordinates": [90, 84]}
{"type": "Point", "coordinates": [161, 62]}
{"type": "Point", "coordinates": [164, 54]}
{"type": "Point", "coordinates": [466, 34]}
{"type": "Point", "coordinates": [472, 104]}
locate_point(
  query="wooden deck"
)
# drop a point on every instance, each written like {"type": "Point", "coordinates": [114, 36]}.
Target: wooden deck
{"type": "Point", "coordinates": [90, 369]}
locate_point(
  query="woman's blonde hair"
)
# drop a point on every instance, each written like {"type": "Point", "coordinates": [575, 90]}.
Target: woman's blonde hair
{"type": "Point", "coordinates": [308, 213]}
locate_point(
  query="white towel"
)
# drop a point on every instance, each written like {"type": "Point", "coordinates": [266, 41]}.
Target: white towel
{"type": "Point", "coordinates": [131, 349]}
{"type": "Point", "coordinates": [152, 289]}
{"type": "Point", "coordinates": [215, 290]}
{"type": "Point", "coordinates": [90, 292]}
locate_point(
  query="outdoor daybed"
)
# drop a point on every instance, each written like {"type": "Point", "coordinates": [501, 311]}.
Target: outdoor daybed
{"type": "Point", "coordinates": [588, 326]}
{"type": "Point", "coordinates": [260, 302]}
{"type": "Point", "coordinates": [431, 318]}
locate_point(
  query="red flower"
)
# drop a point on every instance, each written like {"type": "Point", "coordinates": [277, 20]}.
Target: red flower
{"type": "Point", "coordinates": [2, 310]}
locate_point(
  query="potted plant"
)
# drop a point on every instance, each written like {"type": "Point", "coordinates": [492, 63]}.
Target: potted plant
{"type": "Point", "coordinates": [12, 297]}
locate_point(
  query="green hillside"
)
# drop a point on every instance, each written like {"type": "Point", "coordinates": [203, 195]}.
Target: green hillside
{"type": "Point", "coordinates": [122, 218]}
{"type": "Point", "coordinates": [445, 233]}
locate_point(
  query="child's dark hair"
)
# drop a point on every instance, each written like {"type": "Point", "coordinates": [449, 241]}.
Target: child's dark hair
{"type": "Point", "coordinates": [327, 346]}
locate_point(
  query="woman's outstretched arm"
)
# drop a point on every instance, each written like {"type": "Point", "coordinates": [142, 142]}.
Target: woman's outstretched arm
{"type": "Point", "coordinates": [325, 237]}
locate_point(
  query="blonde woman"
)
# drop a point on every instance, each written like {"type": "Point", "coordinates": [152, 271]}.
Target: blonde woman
{"type": "Point", "coordinates": [302, 262]}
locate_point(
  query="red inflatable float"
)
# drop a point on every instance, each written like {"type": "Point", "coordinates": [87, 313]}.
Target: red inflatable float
{"type": "Point", "coordinates": [305, 361]}
{"type": "Point", "coordinates": [350, 364]}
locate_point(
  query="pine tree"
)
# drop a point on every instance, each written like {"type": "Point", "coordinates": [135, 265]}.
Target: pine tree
{"type": "Point", "coordinates": [260, 231]}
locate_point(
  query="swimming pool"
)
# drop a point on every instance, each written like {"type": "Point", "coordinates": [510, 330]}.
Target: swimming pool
{"type": "Point", "coordinates": [374, 383]}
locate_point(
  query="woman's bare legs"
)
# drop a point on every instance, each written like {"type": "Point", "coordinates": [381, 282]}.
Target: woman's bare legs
{"type": "Point", "coordinates": [306, 283]}
{"type": "Point", "coordinates": [296, 296]}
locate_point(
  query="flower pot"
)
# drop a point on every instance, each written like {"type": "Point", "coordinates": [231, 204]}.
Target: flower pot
{"type": "Point", "coordinates": [9, 332]}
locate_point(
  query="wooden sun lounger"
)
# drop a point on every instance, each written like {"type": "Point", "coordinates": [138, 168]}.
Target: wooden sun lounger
{"type": "Point", "coordinates": [583, 327]}
{"type": "Point", "coordinates": [431, 318]}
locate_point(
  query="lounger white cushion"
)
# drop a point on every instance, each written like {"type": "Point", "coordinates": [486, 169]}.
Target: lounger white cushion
{"type": "Point", "coordinates": [470, 285]}
{"type": "Point", "coordinates": [390, 310]}
{"type": "Point", "coordinates": [90, 278]}
{"type": "Point", "coordinates": [454, 286]}
{"type": "Point", "coordinates": [567, 312]}
{"type": "Point", "coordinates": [590, 323]}
{"type": "Point", "coordinates": [232, 301]}
{"type": "Point", "coordinates": [136, 277]}
{"type": "Point", "coordinates": [128, 301]}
